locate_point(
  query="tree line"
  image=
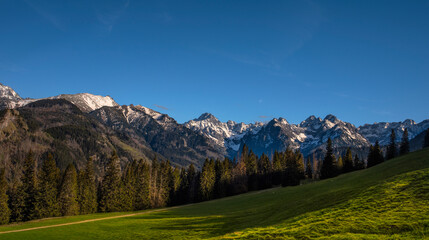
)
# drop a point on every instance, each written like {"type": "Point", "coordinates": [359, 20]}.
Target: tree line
{"type": "Point", "coordinates": [46, 192]}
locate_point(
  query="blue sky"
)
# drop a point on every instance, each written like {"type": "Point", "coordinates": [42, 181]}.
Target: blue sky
{"type": "Point", "coordinates": [363, 61]}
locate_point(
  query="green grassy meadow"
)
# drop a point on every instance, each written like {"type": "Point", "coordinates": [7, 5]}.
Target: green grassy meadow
{"type": "Point", "coordinates": [388, 201]}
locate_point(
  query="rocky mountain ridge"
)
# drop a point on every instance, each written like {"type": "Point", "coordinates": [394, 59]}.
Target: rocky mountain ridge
{"type": "Point", "coordinates": [206, 136]}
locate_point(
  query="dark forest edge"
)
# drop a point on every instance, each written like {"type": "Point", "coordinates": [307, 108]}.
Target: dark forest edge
{"type": "Point", "coordinates": [46, 192]}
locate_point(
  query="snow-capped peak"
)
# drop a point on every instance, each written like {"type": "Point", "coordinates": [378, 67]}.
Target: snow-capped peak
{"type": "Point", "coordinates": [206, 116]}
{"type": "Point", "coordinates": [7, 92]}
{"type": "Point", "coordinates": [88, 102]}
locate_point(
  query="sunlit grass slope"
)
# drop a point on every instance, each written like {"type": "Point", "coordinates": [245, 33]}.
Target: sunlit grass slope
{"type": "Point", "coordinates": [388, 201]}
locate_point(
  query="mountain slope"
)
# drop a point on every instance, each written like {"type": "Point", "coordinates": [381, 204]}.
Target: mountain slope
{"type": "Point", "coordinates": [59, 127]}
{"type": "Point", "coordinates": [387, 201]}
{"type": "Point", "coordinates": [161, 132]}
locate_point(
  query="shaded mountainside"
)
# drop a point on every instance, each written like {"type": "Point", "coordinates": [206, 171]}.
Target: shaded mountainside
{"type": "Point", "coordinates": [161, 132]}
{"type": "Point", "coordinates": [59, 127]}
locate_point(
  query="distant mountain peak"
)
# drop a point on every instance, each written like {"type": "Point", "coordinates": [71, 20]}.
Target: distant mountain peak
{"type": "Point", "coordinates": [88, 102]}
{"type": "Point", "coordinates": [206, 116]}
{"type": "Point", "coordinates": [7, 92]}
{"type": "Point", "coordinates": [331, 118]}
{"type": "Point", "coordinates": [409, 122]}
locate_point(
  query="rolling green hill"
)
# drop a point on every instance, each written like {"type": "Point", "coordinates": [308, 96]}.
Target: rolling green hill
{"type": "Point", "coordinates": [388, 201]}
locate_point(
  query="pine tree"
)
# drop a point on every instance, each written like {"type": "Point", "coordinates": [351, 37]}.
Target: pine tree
{"type": "Point", "coordinates": [87, 195]}
{"type": "Point", "coordinates": [16, 202]}
{"type": "Point", "coordinates": [111, 186]}
{"type": "Point", "coordinates": [29, 186]}
{"type": "Point", "coordinates": [67, 198]}
{"type": "Point", "coordinates": [239, 178]}
{"type": "Point", "coordinates": [264, 172]}
{"type": "Point", "coordinates": [192, 179]}
{"type": "Point", "coordinates": [142, 186]}
{"type": "Point", "coordinates": [175, 183]}
{"type": "Point", "coordinates": [127, 193]}
{"type": "Point", "coordinates": [426, 142]}
{"type": "Point", "coordinates": [340, 165]}
{"type": "Point", "coordinates": [375, 155]}
{"type": "Point", "coordinates": [294, 170]}
{"type": "Point", "coordinates": [391, 148]}
{"type": "Point", "coordinates": [154, 183]}
{"type": "Point", "coordinates": [4, 208]}
{"type": "Point", "coordinates": [47, 203]}
{"type": "Point", "coordinates": [252, 171]}
{"type": "Point", "coordinates": [358, 163]}
{"type": "Point", "coordinates": [309, 169]}
{"type": "Point", "coordinates": [219, 187]}
{"type": "Point", "coordinates": [329, 168]}
{"type": "Point", "coordinates": [348, 161]}
{"type": "Point", "coordinates": [165, 183]}
{"type": "Point", "coordinates": [405, 144]}
{"type": "Point", "coordinates": [207, 180]}
{"type": "Point", "coordinates": [277, 169]}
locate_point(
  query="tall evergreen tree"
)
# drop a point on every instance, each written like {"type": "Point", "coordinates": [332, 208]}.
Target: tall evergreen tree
{"type": "Point", "coordinates": [67, 198]}
{"type": "Point", "coordinates": [175, 183]}
{"type": "Point", "coordinates": [111, 186]}
{"type": "Point", "coordinates": [252, 171]}
{"type": "Point", "coordinates": [391, 148]}
{"type": "Point", "coordinates": [405, 144]}
{"type": "Point", "coordinates": [165, 183]}
{"type": "Point", "coordinates": [340, 164]}
{"type": "Point", "coordinates": [277, 168]}
{"type": "Point", "coordinates": [294, 170]}
{"type": "Point", "coordinates": [154, 183]}
{"type": "Point", "coordinates": [127, 192]}
{"type": "Point", "coordinates": [329, 168]}
{"type": "Point", "coordinates": [348, 161]}
{"type": "Point", "coordinates": [239, 178]}
{"type": "Point", "coordinates": [219, 187]}
{"type": "Point", "coordinates": [358, 163]}
{"type": "Point", "coordinates": [4, 208]}
{"type": "Point", "coordinates": [47, 203]}
{"type": "Point", "coordinates": [29, 186]}
{"type": "Point", "coordinates": [87, 195]}
{"type": "Point", "coordinates": [207, 180]}
{"type": "Point", "coordinates": [16, 202]}
{"type": "Point", "coordinates": [309, 169]}
{"type": "Point", "coordinates": [264, 172]}
{"type": "Point", "coordinates": [375, 155]}
{"type": "Point", "coordinates": [192, 179]}
{"type": "Point", "coordinates": [426, 142]}
{"type": "Point", "coordinates": [142, 186]}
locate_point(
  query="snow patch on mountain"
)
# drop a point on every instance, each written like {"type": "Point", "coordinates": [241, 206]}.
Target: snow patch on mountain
{"type": "Point", "coordinates": [88, 102]}
{"type": "Point", "coordinates": [225, 134]}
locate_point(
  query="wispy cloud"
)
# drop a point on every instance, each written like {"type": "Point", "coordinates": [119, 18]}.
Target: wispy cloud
{"type": "Point", "coordinates": [108, 18]}
{"type": "Point", "coordinates": [265, 117]}
{"type": "Point", "coordinates": [161, 107]}
{"type": "Point", "coordinates": [54, 20]}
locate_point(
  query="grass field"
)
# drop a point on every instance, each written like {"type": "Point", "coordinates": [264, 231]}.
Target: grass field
{"type": "Point", "coordinates": [388, 201]}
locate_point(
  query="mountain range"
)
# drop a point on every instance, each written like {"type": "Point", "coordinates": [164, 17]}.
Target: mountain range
{"type": "Point", "coordinates": [140, 132]}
